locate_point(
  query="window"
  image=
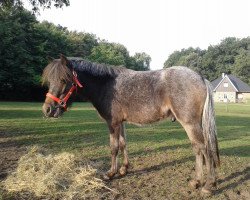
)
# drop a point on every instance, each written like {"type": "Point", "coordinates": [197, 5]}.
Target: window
{"type": "Point", "coordinates": [225, 84]}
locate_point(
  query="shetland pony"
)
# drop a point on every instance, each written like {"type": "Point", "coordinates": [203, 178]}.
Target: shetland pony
{"type": "Point", "coordinates": [123, 95]}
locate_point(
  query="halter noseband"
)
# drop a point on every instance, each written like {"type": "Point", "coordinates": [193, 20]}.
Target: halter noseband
{"type": "Point", "coordinates": [63, 102]}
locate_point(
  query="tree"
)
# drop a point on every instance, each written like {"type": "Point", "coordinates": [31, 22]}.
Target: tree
{"type": "Point", "coordinates": [141, 62]}
{"type": "Point", "coordinates": [18, 50]}
{"type": "Point", "coordinates": [117, 54]}
{"type": "Point", "coordinates": [242, 65]}
{"type": "Point", "coordinates": [208, 63]}
{"type": "Point", "coordinates": [52, 39]}
{"type": "Point", "coordinates": [184, 57]}
{"type": "Point", "coordinates": [25, 45]}
{"type": "Point", "coordinates": [230, 56]}
{"type": "Point", "coordinates": [35, 4]}
{"type": "Point", "coordinates": [173, 59]}
{"type": "Point", "coordinates": [109, 53]}
{"type": "Point", "coordinates": [81, 44]}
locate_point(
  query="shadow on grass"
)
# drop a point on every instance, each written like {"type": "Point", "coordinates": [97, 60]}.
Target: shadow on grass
{"type": "Point", "coordinates": [3, 145]}
{"type": "Point", "coordinates": [158, 167]}
{"type": "Point", "coordinates": [159, 149]}
{"type": "Point", "coordinates": [224, 120]}
{"type": "Point", "coordinates": [239, 151]}
{"type": "Point", "coordinates": [20, 114]}
{"type": "Point", "coordinates": [245, 173]}
{"type": "Point", "coordinates": [94, 139]}
{"type": "Point", "coordinates": [163, 165]}
{"type": "Point", "coordinates": [59, 142]}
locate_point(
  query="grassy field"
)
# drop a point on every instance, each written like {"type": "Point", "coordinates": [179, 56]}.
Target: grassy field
{"type": "Point", "coordinates": [160, 154]}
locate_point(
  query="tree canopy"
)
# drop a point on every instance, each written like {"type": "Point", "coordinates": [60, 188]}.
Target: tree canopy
{"type": "Point", "coordinates": [231, 56]}
{"type": "Point", "coordinates": [36, 4]}
{"type": "Point", "coordinates": [26, 43]}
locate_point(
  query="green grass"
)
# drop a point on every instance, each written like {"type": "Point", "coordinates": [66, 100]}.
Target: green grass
{"type": "Point", "coordinates": [82, 131]}
{"type": "Point", "coordinates": [81, 127]}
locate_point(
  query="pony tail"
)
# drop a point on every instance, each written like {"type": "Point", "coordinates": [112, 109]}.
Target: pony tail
{"type": "Point", "coordinates": [209, 127]}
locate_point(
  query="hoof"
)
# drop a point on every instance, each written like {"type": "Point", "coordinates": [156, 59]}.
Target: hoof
{"type": "Point", "coordinates": [105, 177]}
{"type": "Point", "coordinates": [108, 176]}
{"type": "Point", "coordinates": [206, 191]}
{"type": "Point", "coordinates": [195, 184]}
{"type": "Point", "coordinates": [123, 171]}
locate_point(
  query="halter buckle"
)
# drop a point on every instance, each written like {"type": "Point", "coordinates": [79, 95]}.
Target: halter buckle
{"type": "Point", "coordinates": [62, 104]}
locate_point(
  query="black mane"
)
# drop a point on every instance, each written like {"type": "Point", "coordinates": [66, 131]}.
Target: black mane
{"type": "Point", "coordinates": [95, 69]}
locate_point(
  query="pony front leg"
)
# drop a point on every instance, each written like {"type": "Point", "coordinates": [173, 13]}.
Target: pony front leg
{"type": "Point", "coordinates": [114, 146]}
{"type": "Point", "coordinates": [123, 148]}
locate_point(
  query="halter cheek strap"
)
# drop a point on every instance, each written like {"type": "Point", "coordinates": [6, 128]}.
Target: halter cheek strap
{"type": "Point", "coordinates": [76, 80]}
{"type": "Point", "coordinates": [63, 102]}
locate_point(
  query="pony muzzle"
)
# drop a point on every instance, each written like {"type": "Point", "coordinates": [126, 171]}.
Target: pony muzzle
{"type": "Point", "coordinates": [53, 111]}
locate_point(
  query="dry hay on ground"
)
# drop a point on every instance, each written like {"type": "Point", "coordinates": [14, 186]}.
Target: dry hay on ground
{"type": "Point", "coordinates": [59, 176]}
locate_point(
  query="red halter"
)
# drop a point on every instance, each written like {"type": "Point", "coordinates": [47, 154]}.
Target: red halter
{"type": "Point", "coordinates": [63, 102]}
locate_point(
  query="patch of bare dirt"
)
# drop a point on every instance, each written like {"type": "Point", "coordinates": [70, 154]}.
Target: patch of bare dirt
{"type": "Point", "coordinates": [10, 153]}
{"type": "Point", "coordinates": [154, 176]}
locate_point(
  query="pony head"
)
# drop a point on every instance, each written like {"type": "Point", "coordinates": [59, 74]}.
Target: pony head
{"type": "Point", "coordinates": [59, 76]}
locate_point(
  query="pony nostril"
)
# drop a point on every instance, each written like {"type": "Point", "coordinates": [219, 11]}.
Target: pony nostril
{"type": "Point", "coordinates": [48, 111]}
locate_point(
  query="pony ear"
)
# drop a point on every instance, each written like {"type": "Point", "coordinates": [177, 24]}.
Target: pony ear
{"type": "Point", "coordinates": [63, 59]}
{"type": "Point", "coordinates": [50, 59]}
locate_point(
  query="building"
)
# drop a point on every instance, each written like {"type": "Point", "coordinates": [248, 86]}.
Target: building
{"type": "Point", "coordinates": [229, 88]}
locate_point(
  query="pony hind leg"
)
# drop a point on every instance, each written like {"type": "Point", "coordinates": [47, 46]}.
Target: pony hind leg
{"type": "Point", "coordinates": [211, 176]}
{"type": "Point", "coordinates": [194, 133]}
{"type": "Point", "coordinates": [198, 180]}
{"type": "Point", "coordinates": [123, 148]}
{"type": "Point", "coordinates": [197, 140]}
